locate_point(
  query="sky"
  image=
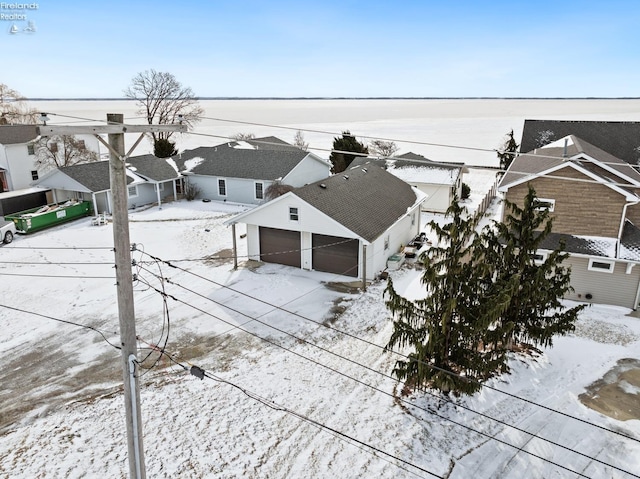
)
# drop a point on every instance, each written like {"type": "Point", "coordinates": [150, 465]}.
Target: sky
{"type": "Point", "coordinates": [328, 48]}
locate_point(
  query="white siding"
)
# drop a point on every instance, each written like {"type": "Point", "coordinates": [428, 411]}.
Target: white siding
{"type": "Point", "coordinates": [275, 214]}
{"type": "Point", "coordinates": [438, 197]}
{"type": "Point", "coordinates": [20, 165]}
{"type": "Point", "coordinates": [309, 170]}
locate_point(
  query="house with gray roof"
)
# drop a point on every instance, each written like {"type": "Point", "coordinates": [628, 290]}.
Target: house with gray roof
{"type": "Point", "coordinates": [440, 181]}
{"type": "Point", "coordinates": [18, 167]}
{"type": "Point", "coordinates": [149, 180]}
{"type": "Point", "coordinates": [348, 224]}
{"type": "Point", "coordinates": [593, 199]}
{"type": "Point", "coordinates": [241, 171]}
{"type": "Point", "coordinates": [618, 138]}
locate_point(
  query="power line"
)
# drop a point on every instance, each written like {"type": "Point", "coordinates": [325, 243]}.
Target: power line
{"type": "Point", "coordinates": [441, 145]}
{"type": "Point", "coordinates": [58, 263]}
{"type": "Point", "coordinates": [200, 372]}
{"type": "Point", "coordinates": [71, 248]}
{"type": "Point", "coordinates": [65, 321]}
{"type": "Point", "coordinates": [370, 343]}
{"type": "Point", "coordinates": [57, 276]}
{"type": "Point", "coordinates": [385, 392]}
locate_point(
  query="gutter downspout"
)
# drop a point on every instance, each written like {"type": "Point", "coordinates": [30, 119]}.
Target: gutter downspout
{"type": "Point", "coordinates": [622, 220]}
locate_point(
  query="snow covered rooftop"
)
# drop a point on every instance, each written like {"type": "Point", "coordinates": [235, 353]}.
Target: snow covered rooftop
{"type": "Point", "coordinates": [430, 175]}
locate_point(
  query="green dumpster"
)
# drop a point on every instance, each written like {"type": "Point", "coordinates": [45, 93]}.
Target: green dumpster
{"type": "Point", "coordinates": [53, 214]}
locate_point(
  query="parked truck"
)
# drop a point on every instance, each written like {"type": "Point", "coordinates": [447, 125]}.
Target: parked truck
{"type": "Point", "coordinates": [7, 231]}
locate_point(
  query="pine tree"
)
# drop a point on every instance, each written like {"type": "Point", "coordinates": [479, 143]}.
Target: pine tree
{"type": "Point", "coordinates": [508, 151]}
{"type": "Point", "coordinates": [447, 329]}
{"type": "Point", "coordinates": [163, 148]}
{"type": "Point", "coordinates": [347, 142]}
{"type": "Point", "coordinates": [535, 313]}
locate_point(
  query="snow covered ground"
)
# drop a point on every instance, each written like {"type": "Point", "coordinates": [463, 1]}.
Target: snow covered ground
{"type": "Point", "coordinates": [280, 335]}
{"type": "Point", "coordinates": [286, 336]}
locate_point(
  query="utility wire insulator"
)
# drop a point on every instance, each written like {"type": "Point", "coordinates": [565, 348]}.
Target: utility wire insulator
{"type": "Point", "coordinates": [197, 372]}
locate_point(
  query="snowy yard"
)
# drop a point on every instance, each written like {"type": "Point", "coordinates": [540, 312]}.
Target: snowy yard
{"type": "Point", "coordinates": [282, 336]}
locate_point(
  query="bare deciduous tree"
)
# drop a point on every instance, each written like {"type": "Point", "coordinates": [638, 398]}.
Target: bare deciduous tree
{"type": "Point", "coordinates": [243, 136]}
{"type": "Point", "coordinates": [383, 149]}
{"type": "Point", "coordinates": [58, 151]}
{"type": "Point", "coordinates": [276, 189]}
{"type": "Point", "coordinates": [299, 142]}
{"type": "Point", "coordinates": [162, 98]}
{"type": "Point", "coordinates": [13, 108]}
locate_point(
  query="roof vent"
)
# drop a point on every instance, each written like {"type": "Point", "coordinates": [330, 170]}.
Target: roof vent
{"type": "Point", "coordinates": [346, 177]}
{"type": "Point", "coordinates": [364, 169]}
{"type": "Point", "coordinates": [564, 151]}
{"type": "Point", "coordinates": [323, 186]}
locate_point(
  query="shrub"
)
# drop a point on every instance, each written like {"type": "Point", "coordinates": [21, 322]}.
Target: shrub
{"type": "Point", "coordinates": [466, 191]}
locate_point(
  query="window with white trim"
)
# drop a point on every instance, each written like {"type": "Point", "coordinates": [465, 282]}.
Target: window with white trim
{"type": "Point", "coordinates": [31, 149]}
{"type": "Point", "coordinates": [34, 175]}
{"type": "Point", "coordinates": [602, 265]}
{"type": "Point", "coordinates": [539, 257]}
{"type": "Point", "coordinates": [133, 191]}
{"type": "Point", "coordinates": [259, 190]}
{"type": "Point", "coordinates": [293, 214]}
{"type": "Point", "coordinates": [222, 187]}
{"type": "Point", "coordinates": [546, 204]}
{"type": "Point", "coordinates": [158, 187]}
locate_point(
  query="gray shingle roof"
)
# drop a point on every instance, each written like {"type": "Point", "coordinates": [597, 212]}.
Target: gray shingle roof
{"type": "Point", "coordinates": [153, 168]}
{"type": "Point", "coordinates": [619, 138]}
{"type": "Point", "coordinates": [367, 203]}
{"type": "Point", "coordinates": [406, 160]}
{"type": "Point", "coordinates": [261, 164]}
{"type": "Point", "coordinates": [630, 242]}
{"type": "Point", "coordinates": [94, 175]}
{"type": "Point", "coordinates": [15, 134]}
{"type": "Point", "coordinates": [542, 159]}
{"type": "Point", "coordinates": [271, 143]}
{"type": "Point", "coordinates": [414, 159]}
{"type": "Point", "coordinates": [576, 244]}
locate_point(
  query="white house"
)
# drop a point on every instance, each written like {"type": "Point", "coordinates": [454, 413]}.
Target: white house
{"type": "Point", "coordinates": [348, 224]}
{"type": "Point", "coordinates": [440, 181]}
{"type": "Point", "coordinates": [18, 167]}
{"type": "Point", "coordinates": [241, 171]}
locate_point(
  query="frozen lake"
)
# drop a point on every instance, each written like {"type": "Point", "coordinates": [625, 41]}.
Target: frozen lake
{"type": "Point", "coordinates": [464, 125]}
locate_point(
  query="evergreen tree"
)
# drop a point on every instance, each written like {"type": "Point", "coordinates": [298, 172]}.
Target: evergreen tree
{"type": "Point", "coordinates": [534, 314]}
{"type": "Point", "coordinates": [347, 142]}
{"type": "Point", "coordinates": [447, 329]}
{"type": "Point", "coordinates": [163, 148]}
{"type": "Point", "coordinates": [508, 151]}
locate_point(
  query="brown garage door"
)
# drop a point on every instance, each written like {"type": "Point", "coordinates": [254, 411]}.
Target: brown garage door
{"type": "Point", "coordinates": [335, 255]}
{"type": "Point", "coordinates": [280, 246]}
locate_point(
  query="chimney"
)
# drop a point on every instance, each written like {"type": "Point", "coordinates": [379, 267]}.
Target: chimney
{"type": "Point", "coordinates": [564, 151]}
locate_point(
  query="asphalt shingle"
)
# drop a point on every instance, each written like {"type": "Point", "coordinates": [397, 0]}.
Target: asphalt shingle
{"type": "Point", "coordinates": [365, 200]}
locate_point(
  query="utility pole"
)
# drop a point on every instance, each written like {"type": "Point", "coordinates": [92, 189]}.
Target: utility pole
{"type": "Point", "coordinates": [124, 278]}
{"type": "Point", "coordinates": [126, 313]}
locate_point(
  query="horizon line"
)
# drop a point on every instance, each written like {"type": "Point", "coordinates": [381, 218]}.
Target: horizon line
{"type": "Point", "coordinates": [351, 98]}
